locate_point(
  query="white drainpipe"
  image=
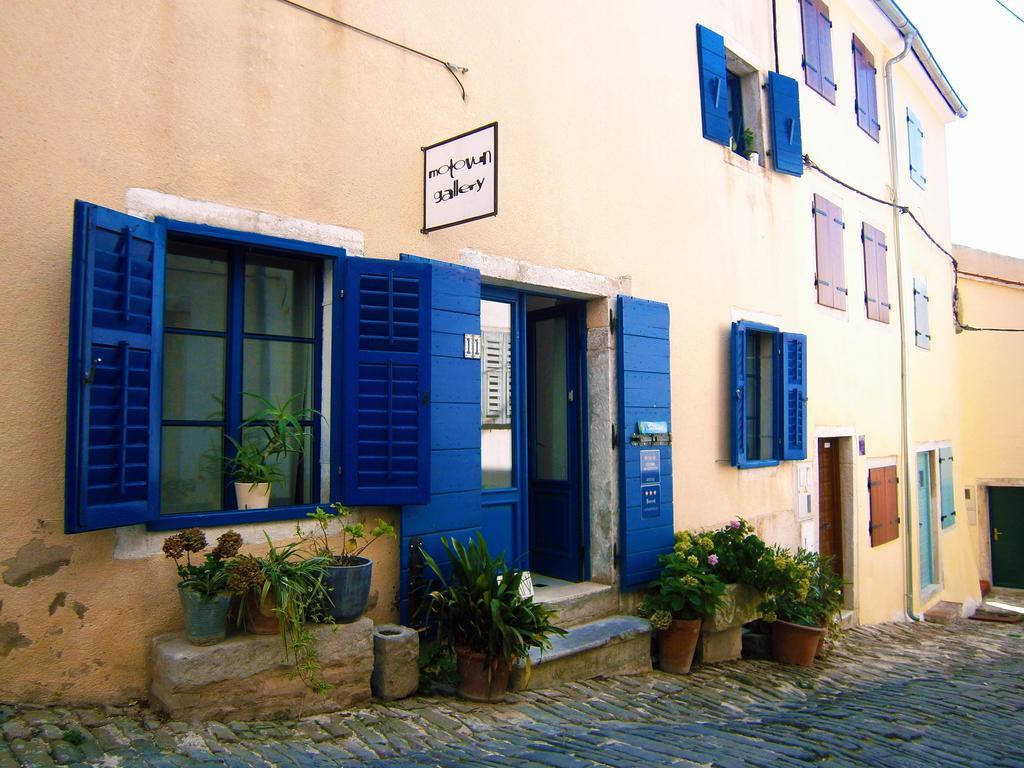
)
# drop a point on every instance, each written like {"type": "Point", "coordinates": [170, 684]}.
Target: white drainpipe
{"type": "Point", "coordinates": [909, 33]}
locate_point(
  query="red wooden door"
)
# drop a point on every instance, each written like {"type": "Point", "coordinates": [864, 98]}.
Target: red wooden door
{"type": "Point", "coordinates": [830, 518]}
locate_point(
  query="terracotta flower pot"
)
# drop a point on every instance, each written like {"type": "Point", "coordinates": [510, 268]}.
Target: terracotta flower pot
{"type": "Point", "coordinates": [260, 616]}
{"type": "Point", "coordinates": [475, 683]}
{"type": "Point", "coordinates": [795, 643]}
{"type": "Point", "coordinates": [677, 644]}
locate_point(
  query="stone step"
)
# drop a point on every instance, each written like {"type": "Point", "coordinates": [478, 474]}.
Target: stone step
{"type": "Point", "coordinates": [576, 602]}
{"type": "Point", "coordinates": [943, 612]}
{"type": "Point", "coordinates": [616, 645]}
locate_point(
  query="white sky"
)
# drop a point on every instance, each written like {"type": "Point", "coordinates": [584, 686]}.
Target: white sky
{"type": "Point", "coordinates": [979, 46]}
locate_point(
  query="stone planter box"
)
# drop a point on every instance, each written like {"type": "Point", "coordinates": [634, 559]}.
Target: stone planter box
{"type": "Point", "coordinates": [721, 636]}
{"type": "Point", "coordinates": [247, 677]}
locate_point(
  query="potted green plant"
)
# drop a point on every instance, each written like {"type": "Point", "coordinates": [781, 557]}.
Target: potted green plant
{"type": "Point", "coordinates": [484, 619]}
{"type": "Point", "coordinates": [750, 145]}
{"type": "Point", "coordinates": [347, 575]}
{"type": "Point", "coordinates": [278, 591]}
{"type": "Point", "coordinates": [686, 592]}
{"type": "Point", "coordinates": [268, 437]}
{"type": "Point", "coordinates": [203, 585]}
{"type": "Point", "coordinates": [790, 606]}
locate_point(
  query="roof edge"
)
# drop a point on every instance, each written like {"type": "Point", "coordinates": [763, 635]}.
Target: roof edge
{"type": "Point", "coordinates": [923, 53]}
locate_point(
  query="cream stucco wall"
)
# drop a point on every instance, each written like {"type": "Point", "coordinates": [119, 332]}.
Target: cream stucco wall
{"type": "Point", "coordinates": [250, 103]}
{"type": "Point", "coordinates": [991, 374]}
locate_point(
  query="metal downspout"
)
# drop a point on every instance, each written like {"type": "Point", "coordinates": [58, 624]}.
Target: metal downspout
{"type": "Point", "coordinates": [909, 32]}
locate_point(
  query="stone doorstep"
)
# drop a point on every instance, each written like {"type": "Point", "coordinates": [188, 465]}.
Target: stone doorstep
{"type": "Point", "coordinates": [943, 612]}
{"type": "Point", "coordinates": [577, 602]}
{"type": "Point", "coordinates": [616, 645]}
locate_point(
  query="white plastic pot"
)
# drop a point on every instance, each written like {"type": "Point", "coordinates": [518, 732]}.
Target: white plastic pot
{"type": "Point", "coordinates": [252, 495]}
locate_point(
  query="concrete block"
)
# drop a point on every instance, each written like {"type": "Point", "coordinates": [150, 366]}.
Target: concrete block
{"type": "Point", "coordinates": [617, 645]}
{"type": "Point", "coordinates": [247, 677]}
{"type": "Point", "coordinates": [726, 645]}
{"type": "Point", "coordinates": [396, 662]}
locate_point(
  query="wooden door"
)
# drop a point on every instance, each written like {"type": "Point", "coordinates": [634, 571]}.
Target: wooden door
{"type": "Point", "coordinates": [830, 508]}
{"type": "Point", "coordinates": [1006, 532]}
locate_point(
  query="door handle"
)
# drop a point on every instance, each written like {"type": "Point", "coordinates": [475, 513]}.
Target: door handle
{"type": "Point", "coordinates": [572, 395]}
{"type": "Point", "coordinates": [995, 534]}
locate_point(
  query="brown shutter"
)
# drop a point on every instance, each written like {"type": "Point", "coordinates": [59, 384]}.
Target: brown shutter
{"type": "Point", "coordinates": [823, 250]}
{"type": "Point", "coordinates": [838, 271]}
{"type": "Point", "coordinates": [884, 503]}
{"type": "Point", "coordinates": [828, 77]}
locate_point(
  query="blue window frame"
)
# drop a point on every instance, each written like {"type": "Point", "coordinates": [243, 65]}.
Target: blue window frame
{"type": "Point", "coordinates": [237, 320]}
{"type": "Point", "coordinates": [769, 395]}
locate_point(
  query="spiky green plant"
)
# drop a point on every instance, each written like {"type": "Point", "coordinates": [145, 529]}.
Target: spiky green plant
{"type": "Point", "coordinates": [480, 608]}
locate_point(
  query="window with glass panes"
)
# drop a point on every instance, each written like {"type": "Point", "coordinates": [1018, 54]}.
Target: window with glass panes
{"type": "Point", "coordinates": [239, 322]}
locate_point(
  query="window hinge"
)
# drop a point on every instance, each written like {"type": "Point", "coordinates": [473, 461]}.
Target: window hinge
{"type": "Point", "coordinates": [611, 321]}
{"type": "Point", "coordinates": [615, 437]}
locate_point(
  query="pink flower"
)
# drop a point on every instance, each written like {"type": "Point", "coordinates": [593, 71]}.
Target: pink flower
{"type": "Point", "coordinates": [712, 559]}
{"type": "Point", "coordinates": [734, 523]}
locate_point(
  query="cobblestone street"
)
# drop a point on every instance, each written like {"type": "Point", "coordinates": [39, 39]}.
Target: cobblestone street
{"type": "Point", "coordinates": [892, 695]}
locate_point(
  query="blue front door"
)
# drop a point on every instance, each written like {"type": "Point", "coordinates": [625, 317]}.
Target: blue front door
{"type": "Point", "coordinates": [924, 523]}
{"type": "Point", "coordinates": [554, 399]}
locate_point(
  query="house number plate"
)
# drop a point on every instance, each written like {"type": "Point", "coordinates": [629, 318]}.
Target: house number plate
{"type": "Point", "coordinates": [471, 346]}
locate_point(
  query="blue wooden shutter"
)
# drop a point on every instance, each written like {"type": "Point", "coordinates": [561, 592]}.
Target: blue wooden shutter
{"type": "Point", "coordinates": [115, 346]}
{"type": "Point", "coordinates": [828, 77]}
{"type": "Point", "coordinates": [784, 114]}
{"type": "Point", "coordinates": [793, 394]}
{"type": "Point", "coordinates": [644, 395]}
{"type": "Point", "coordinates": [385, 378]}
{"type": "Point", "coordinates": [922, 333]}
{"type": "Point", "coordinates": [915, 138]}
{"type": "Point", "coordinates": [948, 512]}
{"type": "Point", "coordinates": [453, 508]}
{"type": "Point", "coordinates": [812, 55]}
{"type": "Point", "coordinates": [737, 392]}
{"type": "Point", "coordinates": [714, 92]}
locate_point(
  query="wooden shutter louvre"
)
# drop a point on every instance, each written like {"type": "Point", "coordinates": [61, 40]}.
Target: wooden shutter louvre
{"type": "Point", "coordinates": [838, 270]}
{"type": "Point", "coordinates": [884, 523]}
{"type": "Point", "coordinates": [387, 353]}
{"type": "Point", "coordinates": [793, 394]}
{"type": "Point", "coordinates": [876, 286]}
{"type": "Point", "coordinates": [828, 77]}
{"type": "Point", "coordinates": [812, 56]}
{"type": "Point", "coordinates": [948, 512]}
{"type": "Point", "coordinates": [821, 210]}
{"type": "Point", "coordinates": [784, 119]}
{"type": "Point", "coordinates": [714, 91]}
{"type": "Point", "coordinates": [922, 332]}
{"type": "Point", "coordinates": [737, 392]}
{"type": "Point", "coordinates": [115, 370]}
{"type": "Point", "coordinates": [915, 147]}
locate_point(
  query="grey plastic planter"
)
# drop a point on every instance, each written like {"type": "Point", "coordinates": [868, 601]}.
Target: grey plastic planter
{"type": "Point", "coordinates": [348, 590]}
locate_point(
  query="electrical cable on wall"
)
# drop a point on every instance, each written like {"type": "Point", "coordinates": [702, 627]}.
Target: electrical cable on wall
{"type": "Point", "coordinates": [453, 69]}
{"type": "Point", "coordinates": [903, 209]}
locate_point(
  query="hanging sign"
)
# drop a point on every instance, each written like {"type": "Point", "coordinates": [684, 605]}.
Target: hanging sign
{"type": "Point", "coordinates": [460, 179]}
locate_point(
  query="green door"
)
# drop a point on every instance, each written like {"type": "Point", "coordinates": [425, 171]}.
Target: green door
{"type": "Point", "coordinates": [924, 523]}
{"type": "Point", "coordinates": [1006, 524]}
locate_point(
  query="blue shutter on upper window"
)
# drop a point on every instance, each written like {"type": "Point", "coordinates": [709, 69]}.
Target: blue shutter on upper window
{"type": "Point", "coordinates": [714, 92]}
{"type": "Point", "coordinates": [915, 145]}
{"type": "Point", "coordinates": [115, 347]}
{"type": "Point", "coordinates": [385, 378]}
{"type": "Point", "coordinates": [948, 513]}
{"type": "Point", "coordinates": [793, 394]}
{"type": "Point", "coordinates": [646, 522]}
{"type": "Point", "coordinates": [737, 394]}
{"type": "Point", "coordinates": [784, 115]}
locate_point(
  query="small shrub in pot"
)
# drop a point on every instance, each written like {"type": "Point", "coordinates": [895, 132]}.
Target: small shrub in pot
{"type": "Point", "coordinates": [203, 585]}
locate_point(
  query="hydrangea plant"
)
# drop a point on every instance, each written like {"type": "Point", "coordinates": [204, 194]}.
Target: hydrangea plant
{"type": "Point", "coordinates": [687, 587]}
{"type": "Point", "coordinates": [208, 577]}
